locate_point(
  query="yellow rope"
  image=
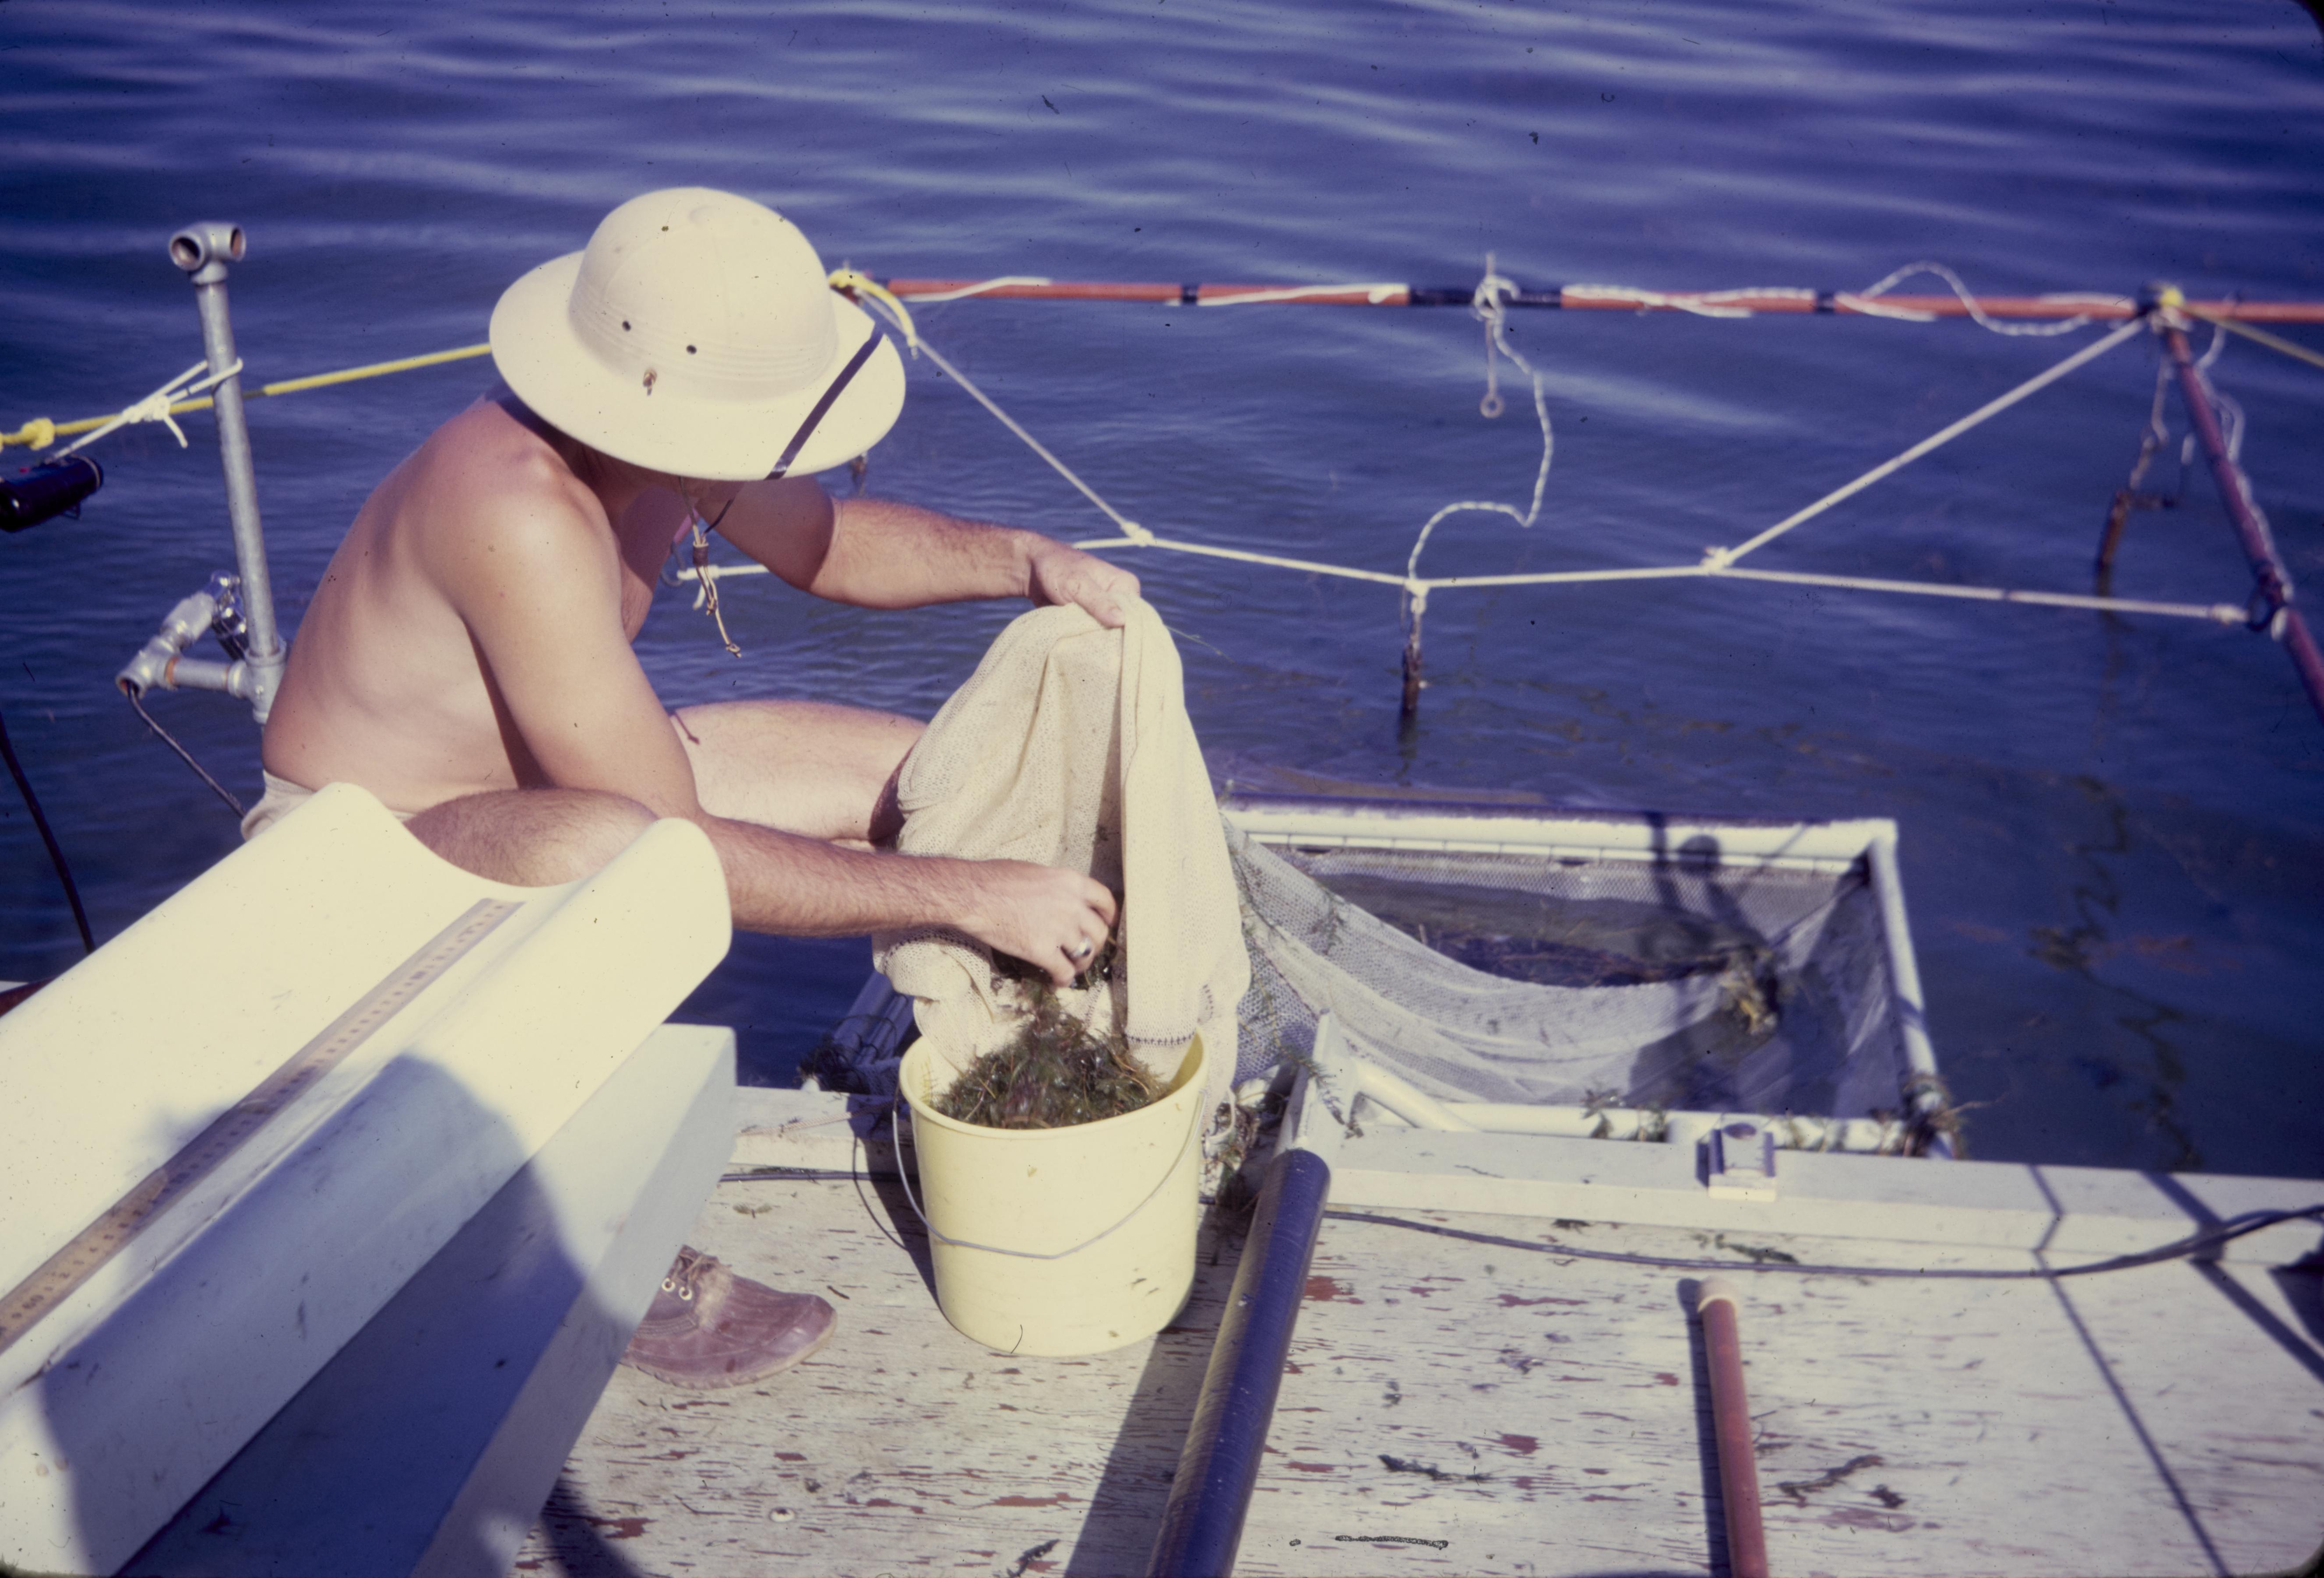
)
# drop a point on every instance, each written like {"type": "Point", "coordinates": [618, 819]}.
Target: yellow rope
{"type": "Point", "coordinates": [2273, 342]}
{"type": "Point", "coordinates": [854, 281]}
{"type": "Point", "coordinates": [40, 432]}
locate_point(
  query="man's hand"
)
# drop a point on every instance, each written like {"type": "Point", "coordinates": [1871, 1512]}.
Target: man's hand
{"type": "Point", "coordinates": [1055, 573]}
{"type": "Point", "coordinates": [1055, 920]}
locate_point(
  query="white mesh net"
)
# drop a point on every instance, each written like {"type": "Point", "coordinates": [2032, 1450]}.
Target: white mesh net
{"type": "Point", "coordinates": [1519, 977]}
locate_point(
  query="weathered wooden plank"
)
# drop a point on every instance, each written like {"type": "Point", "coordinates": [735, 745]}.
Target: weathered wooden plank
{"type": "Point", "coordinates": [1538, 1413]}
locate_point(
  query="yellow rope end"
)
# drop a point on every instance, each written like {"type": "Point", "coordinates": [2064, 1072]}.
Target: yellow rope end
{"type": "Point", "coordinates": [37, 434]}
{"type": "Point", "coordinates": [2172, 296]}
{"type": "Point", "coordinates": [855, 281]}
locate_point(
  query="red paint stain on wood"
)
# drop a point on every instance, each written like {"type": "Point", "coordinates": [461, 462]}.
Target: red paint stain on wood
{"type": "Point", "coordinates": [620, 1528]}
{"type": "Point", "coordinates": [1665, 1377]}
{"type": "Point", "coordinates": [1523, 1445]}
{"type": "Point", "coordinates": [791, 1456]}
{"type": "Point", "coordinates": [1326, 1289]}
{"type": "Point", "coordinates": [1314, 1468]}
{"type": "Point", "coordinates": [1512, 1302]}
{"type": "Point", "coordinates": [1057, 1500]}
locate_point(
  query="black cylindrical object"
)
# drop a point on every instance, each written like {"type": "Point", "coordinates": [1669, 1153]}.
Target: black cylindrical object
{"type": "Point", "coordinates": [1202, 1525]}
{"type": "Point", "coordinates": [36, 493]}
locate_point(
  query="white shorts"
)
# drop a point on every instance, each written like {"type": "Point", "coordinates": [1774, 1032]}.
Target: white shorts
{"type": "Point", "coordinates": [281, 798]}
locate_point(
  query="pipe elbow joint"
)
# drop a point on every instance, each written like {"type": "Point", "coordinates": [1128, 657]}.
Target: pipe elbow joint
{"type": "Point", "coordinates": [205, 248]}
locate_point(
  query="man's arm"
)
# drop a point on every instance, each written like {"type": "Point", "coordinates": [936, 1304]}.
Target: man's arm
{"type": "Point", "coordinates": [876, 553]}
{"type": "Point", "coordinates": [539, 585]}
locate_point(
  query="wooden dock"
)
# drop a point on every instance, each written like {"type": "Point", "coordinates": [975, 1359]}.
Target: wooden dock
{"type": "Point", "coordinates": [1465, 1396]}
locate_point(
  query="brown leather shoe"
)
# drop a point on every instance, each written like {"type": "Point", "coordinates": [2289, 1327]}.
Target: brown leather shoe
{"type": "Point", "coordinates": [708, 1327]}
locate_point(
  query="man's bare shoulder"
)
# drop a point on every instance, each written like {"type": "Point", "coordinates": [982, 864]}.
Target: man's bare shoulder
{"type": "Point", "coordinates": [489, 497]}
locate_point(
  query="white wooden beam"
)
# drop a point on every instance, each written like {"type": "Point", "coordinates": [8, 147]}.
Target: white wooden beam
{"type": "Point", "coordinates": [129, 1390]}
{"type": "Point", "coordinates": [429, 1443]}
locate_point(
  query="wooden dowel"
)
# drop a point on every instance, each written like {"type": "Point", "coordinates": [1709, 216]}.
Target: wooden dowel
{"type": "Point", "coordinates": [1730, 1414]}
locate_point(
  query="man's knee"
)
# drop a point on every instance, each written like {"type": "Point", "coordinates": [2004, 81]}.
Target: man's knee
{"type": "Point", "coordinates": [532, 838]}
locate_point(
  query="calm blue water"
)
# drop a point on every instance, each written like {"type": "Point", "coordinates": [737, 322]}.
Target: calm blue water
{"type": "Point", "coordinates": [2112, 841]}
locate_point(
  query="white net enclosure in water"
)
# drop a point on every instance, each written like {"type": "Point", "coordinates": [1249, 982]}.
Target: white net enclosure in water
{"type": "Point", "coordinates": [1516, 977]}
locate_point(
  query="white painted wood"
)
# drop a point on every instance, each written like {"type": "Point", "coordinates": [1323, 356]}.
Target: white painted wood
{"type": "Point", "coordinates": [1567, 1387]}
{"type": "Point", "coordinates": [136, 1387]}
{"type": "Point", "coordinates": [430, 1441]}
{"type": "Point", "coordinates": [2079, 1211]}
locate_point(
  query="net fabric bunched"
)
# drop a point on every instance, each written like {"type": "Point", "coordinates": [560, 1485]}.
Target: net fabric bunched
{"type": "Point", "coordinates": [1679, 984]}
{"type": "Point", "coordinates": [1070, 747]}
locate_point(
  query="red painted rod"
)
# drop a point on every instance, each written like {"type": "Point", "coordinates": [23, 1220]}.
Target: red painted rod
{"type": "Point", "coordinates": [1716, 1303]}
{"type": "Point", "coordinates": [1599, 298]}
{"type": "Point", "coordinates": [2274, 584]}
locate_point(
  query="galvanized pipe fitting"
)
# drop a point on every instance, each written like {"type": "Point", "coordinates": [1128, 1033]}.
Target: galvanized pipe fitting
{"type": "Point", "coordinates": [203, 250]}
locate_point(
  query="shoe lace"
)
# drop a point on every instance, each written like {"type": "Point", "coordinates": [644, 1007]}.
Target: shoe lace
{"type": "Point", "coordinates": [685, 1275]}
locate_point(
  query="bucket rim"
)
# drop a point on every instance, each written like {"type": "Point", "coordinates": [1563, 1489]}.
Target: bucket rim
{"type": "Point", "coordinates": [1197, 1057]}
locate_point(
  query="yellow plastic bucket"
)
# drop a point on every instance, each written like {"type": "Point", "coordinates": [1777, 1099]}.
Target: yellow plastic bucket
{"type": "Point", "coordinates": [1060, 1241]}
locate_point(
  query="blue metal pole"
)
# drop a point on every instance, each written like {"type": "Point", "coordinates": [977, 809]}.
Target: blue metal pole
{"type": "Point", "coordinates": [1202, 1525]}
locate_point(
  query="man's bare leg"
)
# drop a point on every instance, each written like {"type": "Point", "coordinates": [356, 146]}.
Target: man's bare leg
{"type": "Point", "coordinates": [532, 838]}
{"type": "Point", "coordinates": [805, 767]}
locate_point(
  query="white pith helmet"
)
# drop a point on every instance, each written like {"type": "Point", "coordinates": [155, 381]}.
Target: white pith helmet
{"type": "Point", "coordinates": [697, 335]}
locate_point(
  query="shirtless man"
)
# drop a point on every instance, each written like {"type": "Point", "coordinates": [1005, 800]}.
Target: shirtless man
{"type": "Point", "coordinates": [467, 657]}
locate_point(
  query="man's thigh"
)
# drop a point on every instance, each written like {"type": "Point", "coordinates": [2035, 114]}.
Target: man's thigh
{"type": "Point", "coordinates": [807, 768]}
{"type": "Point", "coordinates": [532, 838]}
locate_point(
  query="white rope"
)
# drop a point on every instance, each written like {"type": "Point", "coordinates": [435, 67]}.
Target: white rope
{"type": "Point", "coordinates": [1702, 304]}
{"type": "Point", "coordinates": [1130, 529]}
{"type": "Point", "coordinates": [979, 288]}
{"type": "Point", "coordinates": [1489, 304]}
{"type": "Point", "coordinates": [1719, 558]}
{"type": "Point", "coordinates": [1868, 302]}
{"type": "Point", "coordinates": [2217, 613]}
{"type": "Point", "coordinates": [155, 407]}
{"type": "Point", "coordinates": [1374, 294]}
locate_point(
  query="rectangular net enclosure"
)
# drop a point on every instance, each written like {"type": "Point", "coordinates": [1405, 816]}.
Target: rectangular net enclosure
{"type": "Point", "coordinates": [1621, 974]}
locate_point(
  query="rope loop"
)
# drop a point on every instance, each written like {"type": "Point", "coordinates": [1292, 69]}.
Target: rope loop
{"type": "Point", "coordinates": [1869, 303]}
{"type": "Point", "coordinates": [155, 407]}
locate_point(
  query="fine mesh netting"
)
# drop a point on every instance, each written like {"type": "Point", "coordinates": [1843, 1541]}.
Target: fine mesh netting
{"type": "Point", "coordinates": [1521, 977]}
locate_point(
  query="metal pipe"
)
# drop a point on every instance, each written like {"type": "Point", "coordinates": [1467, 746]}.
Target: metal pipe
{"type": "Point", "coordinates": [1716, 1303]}
{"type": "Point", "coordinates": [1923, 1087]}
{"type": "Point", "coordinates": [203, 252]}
{"type": "Point", "coordinates": [1202, 1527]}
{"type": "Point", "coordinates": [2235, 491]}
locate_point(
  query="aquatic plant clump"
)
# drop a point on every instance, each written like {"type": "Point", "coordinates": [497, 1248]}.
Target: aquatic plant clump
{"type": "Point", "coordinates": [1055, 1074]}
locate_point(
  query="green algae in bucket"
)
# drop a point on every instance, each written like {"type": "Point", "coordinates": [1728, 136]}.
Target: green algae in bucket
{"type": "Point", "coordinates": [1056, 1072]}
{"type": "Point", "coordinates": [1060, 1241]}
